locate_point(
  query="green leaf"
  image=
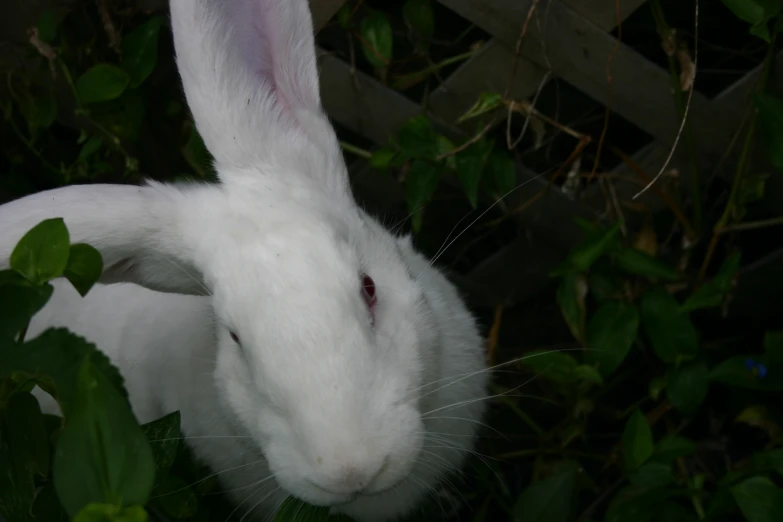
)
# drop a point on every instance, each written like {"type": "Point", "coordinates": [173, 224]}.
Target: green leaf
{"type": "Point", "coordinates": [445, 146]}
{"type": "Point", "coordinates": [294, 510]}
{"type": "Point", "coordinates": [671, 512]}
{"type": "Point", "coordinates": [671, 333]}
{"type": "Point", "coordinates": [636, 504]}
{"type": "Point", "coordinates": [771, 119]}
{"type": "Point", "coordinates": [376, 32]}
{"type": "Point", "coordinates": [487, 101]}
{"type": "Point", "coordinates": [641, 263]}
{"type": "Point", "coordinates": [672, 447]}
{"type": "Point", "coordinates": [85, 266]}
{"type": "Point", "coordinates": [26, 432]}
{"type": "Point", "coordinates": [140, 50]}
{"type": "Point", "coordinates": [769, 461]}
{"type": "Point", "coordinates": [555, 366]}
{"type": "Point", "coordinates": [470, 165]}
{"type": "Point", "coordinates": [571, 299]}
{"type": "Point", "coordinates": [652, 475]}
{"type": "Point", "coordinates": [418, 139]}
{"type": "Point", "coordinates": [164, 435]}
{"type": "Point", "coordinates": [656, 386]}
{"type": "Point", "coordinates": [48, 25]}
{"type": "Point", "coordinates": [504, 172]}
{"type": "Point", "coordinates": [583, 256]}
{"type": "Point", "coordinates": [548, 500]}
{"type": "Point", "coordinates": [110, 513]}
{"type": "Point", "coordinates": [174, 496]}
{"type": "Point", "coordinates": [734, 372]}
{"type": "Point", "coordinates": [42, 253]}
{"type": "Point", "coordinates": [419, 15]}
{"type": "Point", "coordinates": [747, 10]}
{"type": "Point", "coordinates": [102, 454]}
{"type": "Point", "coordinates": [90, 147]}
{"type": "Point", "coordinates": [344, 15]}
{"type": "Point", "coordinates": [381, 158]}
{"type": "Point", "coordinates": [39, 111]}
{"type": "Point", "coordinates": [637, 441]}
{"type": "Point", "coordinates": [102, 82]}
{"type": "Point", "coordinates": [759, 499]}
{"type": "Point", "coordinates": [712, 293]}
{"type": "Point", "coordinates": [18, 303]}
{"type": "Point", "coordinates": [688, 386]}
{"type": "Point", "coordinates": [420, 185]}
{"type": "Point", "coordinates": [587, 373]}
{"type": "Point", "coordinates": [610, 335]}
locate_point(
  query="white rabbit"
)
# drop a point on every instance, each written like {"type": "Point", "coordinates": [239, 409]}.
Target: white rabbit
{"type": "Point", "coordinates": [309, 351]}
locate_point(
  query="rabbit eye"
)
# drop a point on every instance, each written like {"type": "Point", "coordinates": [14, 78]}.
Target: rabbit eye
{"type": "Point", "coordinates": [368, 291]}
{"type": "Point", "coordinates": [234, 337]}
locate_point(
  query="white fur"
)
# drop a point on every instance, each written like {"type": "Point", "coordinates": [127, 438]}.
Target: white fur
{"type": "Point", "coordinates": [316, 398]}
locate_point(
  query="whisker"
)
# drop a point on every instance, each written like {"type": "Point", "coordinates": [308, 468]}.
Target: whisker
{"type": "Point", "coordinates": [258, 503]}
{"type": "Point", "coordinates": [468, 375]}
{"type": "Point", "coordinates": [471, 401]}
{"type": "Point", "coordinates": [475, 421]}
{"type": "Point", "coordinates": [497, 201]}
{"type": "Point", "coordinates": [208, 477]}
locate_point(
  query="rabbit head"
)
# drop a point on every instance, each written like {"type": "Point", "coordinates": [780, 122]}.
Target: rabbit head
{"type": "Point", "coordinates": [323, 323]}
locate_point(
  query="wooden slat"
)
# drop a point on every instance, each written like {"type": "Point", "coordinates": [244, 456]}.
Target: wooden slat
{"type": "Point", "coordinates": [488, 71]}
{"type": "Point", "coordinates": [578, 51]}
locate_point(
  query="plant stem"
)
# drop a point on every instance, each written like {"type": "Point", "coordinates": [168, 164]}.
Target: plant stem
{"type": "Point", "coordinates": [409, 79]}
{"type": "Point", "coordinates": [9, 117]}
{"type": "Point", "coordinates": [751, 225]}
{"type": "Point", "coordinates": [664, 30]}
{"type": "Point", "coordinates": [742, 162]}
{"type": "Point", "coordinates": [356, 151]}
{"type": "Point", "coordinates": [80, 110]}
{"type": "Point", "coordinates": [522, 415]}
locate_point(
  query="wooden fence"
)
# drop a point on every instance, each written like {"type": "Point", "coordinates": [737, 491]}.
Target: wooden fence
{"type": "Point", "coordinates": [572, 40]}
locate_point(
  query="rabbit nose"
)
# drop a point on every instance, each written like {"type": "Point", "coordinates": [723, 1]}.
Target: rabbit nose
{"type": "Point", "coordinates": [352, 478]}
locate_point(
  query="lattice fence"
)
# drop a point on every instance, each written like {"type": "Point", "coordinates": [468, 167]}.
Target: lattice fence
{"type": "Point", "coordinates": [575, 41]}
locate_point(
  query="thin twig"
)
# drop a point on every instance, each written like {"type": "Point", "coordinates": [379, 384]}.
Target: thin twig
{"type": "Point", "coordinates": [752, 225]}
{"type": "Point", "coordinates": [518, 47]}
{"type": "Point", "coordinates": [678, 213]}
{"type": "Point", "coordinates": [529, 109]}
{"type": "Point", "coordinates": [617, 208]}
{"type": "Point", "coordinates": [741, 166]}
{"type": "Point", "coordinates": [356, 151]}
{"type": "Point", "coordinates": [687, 105]}
{"type": "Point", "coordinates": [468, 143]}
{"type": "Point", "coordinates": [109, 27]}
{"type": "Point", "coordinates": [522, 207]}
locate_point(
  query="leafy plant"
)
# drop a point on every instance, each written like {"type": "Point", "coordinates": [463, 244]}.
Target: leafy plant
{"type": "Point", "coordinates": [644, 391]}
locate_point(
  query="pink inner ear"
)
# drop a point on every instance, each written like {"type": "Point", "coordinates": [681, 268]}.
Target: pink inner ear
{"type": "Point", "coordinates": [265, 37]}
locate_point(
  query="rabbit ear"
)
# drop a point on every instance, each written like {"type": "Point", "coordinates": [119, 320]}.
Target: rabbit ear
{"type": "Point", "coordinates": [250, 76]}
{"type": "Point", "coordinates": [134, 229]}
